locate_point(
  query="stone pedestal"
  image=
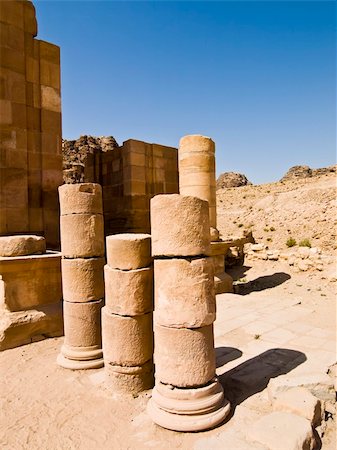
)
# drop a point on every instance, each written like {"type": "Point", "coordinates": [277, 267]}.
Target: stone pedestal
{"type": "Point", "coordinates": [82, 245]}
{"type": "Point", "coordinates": [30, 291]}
{"type": "Point", "coordinates": [127, 316]}
{"type": "Point", "coordinates": [187, 395]}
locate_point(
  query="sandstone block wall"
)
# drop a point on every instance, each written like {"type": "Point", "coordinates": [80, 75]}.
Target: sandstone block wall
{"type": "Point", "coordinates": [130, 175]}
{"type": "Point", "coordinates": [30, 126]}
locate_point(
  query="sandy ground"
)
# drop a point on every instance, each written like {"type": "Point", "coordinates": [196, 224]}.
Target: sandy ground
{"type": "Point", "coordinates": [261, 333]}
{"type": "Point", "coordinates": [301, 209]}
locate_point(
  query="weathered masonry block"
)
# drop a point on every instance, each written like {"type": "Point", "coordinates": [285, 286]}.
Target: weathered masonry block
{"type": "Point", "coordinates": [30, 291]}
{"type": "Point", "coordinates": [30, 126]}
{"type": "Point", "coordinates": [130, 175]}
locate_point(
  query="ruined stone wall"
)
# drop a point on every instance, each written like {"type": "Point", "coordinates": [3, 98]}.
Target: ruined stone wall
{"type": "Point", "coordinates": [130, 176]}
{"type": "Point", "coordinates": [30, 126]}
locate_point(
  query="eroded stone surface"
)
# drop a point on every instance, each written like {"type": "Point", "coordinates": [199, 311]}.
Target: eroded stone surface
{"type": "Point", "coordinates": [283, 431]}
{"type": "Point", "coordinates": [30, 281]}
{"type": "Point", "coordinates": [180, 226]}
{"type": "Point", "coordinates": [129, 380]}
{"type": "Point", "coordinates": [184, 357]}
{"type": "Point", "coordinates": [128, 251]}
{"type": "Point", "coordinates": [188, 409]}
{"type": "Point", "coordinates": [24, 327]}
{"type": "Point", "coordinates": [82, 235]}
{"type": "Point", "coordinates": [22, 245]}
{"type": "Point", "coordinates": [184, 292]}
{"type": "Point", "coordinates": [82, 324]}
{"type": "Point", "coordinates": [223, 283]}
{"type": "Point", "coordinates": [82, 279]}
{"type": "Point", "coordinates": [127, 341]}
{"type": "Point", "coordinates": [129, 292]}
{"type": "Point", "coordinates": [301, 402]}
{"type": "Point", "coordinates": [82, 198]}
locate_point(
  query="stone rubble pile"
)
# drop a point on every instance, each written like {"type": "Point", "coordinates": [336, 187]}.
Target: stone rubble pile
{"type": "Point", "coordinates": [302, 259]}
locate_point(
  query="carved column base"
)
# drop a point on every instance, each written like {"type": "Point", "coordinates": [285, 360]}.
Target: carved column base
{"type": "Point", "coordinates": [192, 409]}
{"type": "Point", "coordinates": [80, 357]}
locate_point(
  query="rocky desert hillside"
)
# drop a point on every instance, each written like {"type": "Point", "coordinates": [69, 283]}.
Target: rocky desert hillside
{"type": "Point", "coordinates": [301, 206]}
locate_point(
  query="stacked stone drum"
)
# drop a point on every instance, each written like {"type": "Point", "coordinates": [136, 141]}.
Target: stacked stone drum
{"type": "Point", "coordinates": [82, 246]}
{"type": "Point", "coordinates": [127, 316]}
{"type": "Point", "coordinates": [187, 396]}
{"type": "Point", "coordinates": [196, 156]}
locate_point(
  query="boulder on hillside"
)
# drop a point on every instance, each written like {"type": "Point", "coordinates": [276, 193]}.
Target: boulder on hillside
{"type": "Point", "coordinates": [297, 172]}
{"type": "Point", "coordinates": [231, 179]}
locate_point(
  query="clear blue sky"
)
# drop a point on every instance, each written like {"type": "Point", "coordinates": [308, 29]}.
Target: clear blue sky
{"type": "Point", "coordinates": [257, 77]}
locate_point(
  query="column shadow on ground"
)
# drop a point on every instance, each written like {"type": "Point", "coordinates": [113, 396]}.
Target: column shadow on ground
{"type": "Point", "coordinates": [253, 375]}
{"type": "Point", "coordinates": [226, 354]}
{"type": "Point", "coordinates": [262, 283]}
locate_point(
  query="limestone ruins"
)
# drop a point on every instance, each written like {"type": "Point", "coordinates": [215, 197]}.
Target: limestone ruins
{"type": "Point", "coordinates": [131, 278]}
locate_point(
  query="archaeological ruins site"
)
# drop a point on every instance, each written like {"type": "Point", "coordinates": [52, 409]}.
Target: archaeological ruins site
{"type": "Point", "coordinates": [122, 256]}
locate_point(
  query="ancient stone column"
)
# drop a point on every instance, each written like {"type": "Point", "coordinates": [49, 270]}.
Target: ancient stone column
{"type": "Point", "coordinates": [127, 329]}
{"type": "Point", "coordinates": [196, 156]}
{"type": "Point", "coordinates": [187, 396]}
{"type": "Point", "coordinates": [82, 246]}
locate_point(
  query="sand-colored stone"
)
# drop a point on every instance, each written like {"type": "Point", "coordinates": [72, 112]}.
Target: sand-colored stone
{"type": "Point", "coordinates": [30, 281]}
{"type": "Point", "coordinates": [184, 357]}
{"type": "Point", "coordinates": [128, 251]}
{"type": "Point", "coordinates": [184, 292]}
{"type": "Point", "coordinates": [129, 292]}
{"type": "Point", "coordinates": [219, 263]}
{"type": "Point", "coordinates": [28, 188]}
{"type": "Point", "coordinates": [82, 279]}
{"type": "Point", "coordinates": [127, 341]}
{"type": "Point", "coordinates": [179, 226]}
{"type": "Point", "coordinates": [188, 409]}
{"type": "Point", "coordinates": [223, 283]}
{"type": "Point", "coordinates": [129, 380]}
{"type": "Point", "coordinates": [82, 235]}
{"type": "Point", "coordinates": [283, 431]}
{"type": "Point", "coordinates": [301, 402]}
{"type": "Point", "coordinates": [22, 245]}
{"type": "Point", "coordinates": [82, 198]}
{"type": "Point", "coordinates": [82, 324]}
{"type": "Point", "coordinates": [197, 171]}
{"type": "Point", "coordinates": [197, 144]}
{"type": "Point", "coordinates": [23, 327]}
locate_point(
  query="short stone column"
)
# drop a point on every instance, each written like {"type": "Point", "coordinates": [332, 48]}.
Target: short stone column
{"type": "Point", "coordinates": [197, 178]}
{"type": "Point", "coordinates": [187, 396]}
{"type": "Point", "coordinates": [82, 246]}
{"type": "Point", "coordinates": [127, 328]}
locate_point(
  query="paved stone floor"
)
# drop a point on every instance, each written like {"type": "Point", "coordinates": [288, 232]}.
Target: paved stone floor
{"type": "Point", "coordinates": [277, 330]}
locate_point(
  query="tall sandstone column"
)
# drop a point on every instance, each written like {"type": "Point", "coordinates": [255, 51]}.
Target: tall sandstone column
{"type": "Point", "coordinates": [196, 157]}
{"type": "Point", "coordinates": [187, 396]}
{"type": "Point", "coordinates": [82, 246]}
{"type": "Point", "coordinates": [127, 329]}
